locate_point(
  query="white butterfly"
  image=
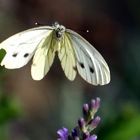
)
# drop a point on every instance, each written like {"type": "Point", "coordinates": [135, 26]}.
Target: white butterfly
{"type": "Point", "coordinates": [74, 52]}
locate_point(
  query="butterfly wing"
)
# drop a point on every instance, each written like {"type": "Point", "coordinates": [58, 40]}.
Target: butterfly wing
{"type": "Point", "coordinates": [67, 57]}
{"type": "Point", "coordinates": [43, 57]}
{"type": "Point", "coordinates": [21, 46]}
{"type": "Point", "coordinates": [90, 64]}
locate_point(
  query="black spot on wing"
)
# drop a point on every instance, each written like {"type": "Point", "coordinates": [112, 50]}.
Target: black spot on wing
{"type": "Point", "coordinates": [15, 54]}
{"type": "Point", "coordinates": [81, 65]}
{"type": "Point", "coordinates": [26, 55]}
{"type": "Point", "coordinates": [91, 69]}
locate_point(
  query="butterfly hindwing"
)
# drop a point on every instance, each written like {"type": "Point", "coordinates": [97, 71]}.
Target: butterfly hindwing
{"type": "Point", "coordinates": [67, 57]}
{"type": "Point", "coordinates": [21, 47]}
{"type": "Point", "coordinates": [43, 58]}
{"type": "Point", "coordinates": [90, 64]}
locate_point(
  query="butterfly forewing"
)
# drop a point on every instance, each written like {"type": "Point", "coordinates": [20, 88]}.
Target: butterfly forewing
{"type": "Point", "coordinates": [21, 47]}
{"type": "Point", "coordinates": [67, 57]}
{"type": "Point", "coordinates": [90, 64]}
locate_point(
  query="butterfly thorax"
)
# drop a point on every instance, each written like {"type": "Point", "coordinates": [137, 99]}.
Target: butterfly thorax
{"type": "Point", "coordinates": [59, 30]}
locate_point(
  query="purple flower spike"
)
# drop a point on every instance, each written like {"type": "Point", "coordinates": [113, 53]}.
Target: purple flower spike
{"type": "Point", "coordinates": [85, 109]}
{"type": "Point", "coordinates": [81, 123]}
{"type": "Point", "coordinates": [95, 122]}
{"type": "Point", "coordinates": [86, 135]}
{"type": "Point", "coordinates": [95, 104]}
{"type": "Point", "coordinates": [86, 124]}
{"type": "Point", "coordinates": [93, 137]}
{"type": "Point", "coordinates": [92, 103]}
{"type": "Point", "coordinates": [75, 132]}
{"type": "Point", "coordinates": [63, 134]}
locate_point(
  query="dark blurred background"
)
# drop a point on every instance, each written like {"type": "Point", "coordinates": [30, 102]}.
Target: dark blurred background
{"type": "Point", "coordinates": [31, 110]}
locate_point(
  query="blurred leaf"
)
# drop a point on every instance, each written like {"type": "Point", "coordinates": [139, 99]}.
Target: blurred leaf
{"type": "Point", "coordinates": [125, 126]}
{"type": "Point", "coordinates": [125, 131]}
{"type": "Point", "coordinates": [2, 54]}
{"type": "Point", "coordinates": [4, 132]}
{"type": "Point", "coordinates": [9, 109]}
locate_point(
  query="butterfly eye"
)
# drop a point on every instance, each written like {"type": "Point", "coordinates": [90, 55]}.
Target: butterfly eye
{"type": "Point", "coordinates": [91, 69]}
{"type": "Point", "coordinates": [15, 54]}
{"type": "Point", "coordinates": [26, 55]}
{"type": "Point", "coordinates": [82, 65]}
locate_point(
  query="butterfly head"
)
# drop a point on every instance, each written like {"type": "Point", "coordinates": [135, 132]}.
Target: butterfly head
{"type": "Point", "coordinates": [59, 30]}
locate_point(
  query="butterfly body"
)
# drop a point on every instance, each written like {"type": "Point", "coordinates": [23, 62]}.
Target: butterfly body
{"type": "Point", "coordinates": [42, 43]}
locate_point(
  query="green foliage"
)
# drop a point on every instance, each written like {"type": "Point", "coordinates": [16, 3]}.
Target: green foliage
{"type": "Point", "coordinates": [125, 126]}
{"type": "Point", "coordinates": [2, 54]}
{"type": "Point", "coordinates": [126, 130]}
{"type": "Point", "coordinates": [8, 109]}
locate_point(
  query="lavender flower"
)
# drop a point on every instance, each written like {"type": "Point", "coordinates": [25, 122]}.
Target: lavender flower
{"type": "Point", "coordinates": [63, 134]}
{"type": "Point", "coordinates": [93, 137]}
{"type": "Point", "coordinates": [86, 124]}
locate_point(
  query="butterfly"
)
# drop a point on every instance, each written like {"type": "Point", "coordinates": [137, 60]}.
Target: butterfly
{"type": "Point", "coordinates": [75, 54]}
